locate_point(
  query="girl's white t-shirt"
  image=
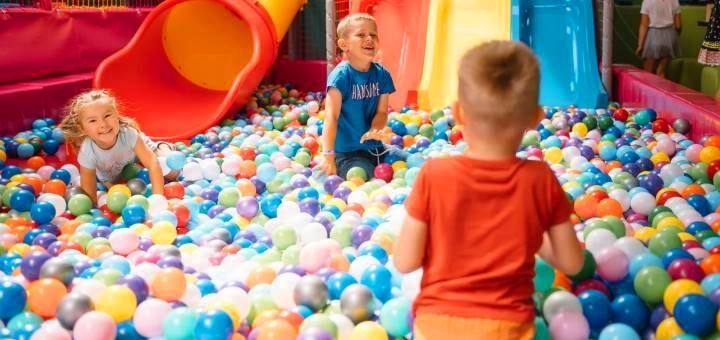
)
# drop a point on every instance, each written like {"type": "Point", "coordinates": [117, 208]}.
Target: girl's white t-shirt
{"type": "Point", "coordinates": [660, 12]}
{"type": "Point", "coordinates": [108, 164]}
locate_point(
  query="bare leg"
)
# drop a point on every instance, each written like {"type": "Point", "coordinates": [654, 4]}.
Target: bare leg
{"type": "Point", "coordinates": [662, 65]}
{"type": "Point", "coordinates": [649, 65]}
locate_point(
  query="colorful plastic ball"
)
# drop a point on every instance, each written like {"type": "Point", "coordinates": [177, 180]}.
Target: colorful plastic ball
{"type": "Point", "coordinates": [213, 324]}
{"type": "Point", "coordinates": [384, 171]}
{"type": "Point", "coordinates": [269, 204]}
{"type": "Point", "coordinates": [650, 284]}
{"type": "Point", "coordinates": [696, 314]}
{"type": "Point", "coordinates": [25, 150]}
{"type": "Point", "coordinates": [133, 213]}
{"type": "Point", "coordinates": [311, 292]}
{"type": "Point", "coordinates": [149, 316]}
{"type": "Point", "coordinates": [368, 330]}
{"type": "Point", "coordinates": [596, 308]}
{"type": "Point", "coordinates": [136, 284]}
{"type": "Point", "coordinates": [22, 200]}
{"type": "Point", "coordinates": [79, 204]}
{"type": "Point", "coordinates": [95, 325]}
{"type": "Point", "coordinates": [169, 284]}
{"type": "Point", "coordinates": [31, 264]}
{"type": "Point", "coordinates": [44, 295]}
{"type": "Point", "coordinates": [117, 301]}
{"type": "Point", "coordinates": [58, 268]}
{"type": "Point", "coordinates": [569, 324]}
{"type": "Point", "coordinates": [618, 331]}
{"type": "Point", "coordinates": [179, 323]}
{"type": "Point", "coordinates": [13, 298]}
{"type": "Point", "coordinates": [72, 307]}
{"type": "Point", "coordinates": [681, 125]}
{"type": "Point", "coordinates": [51, 146]}
{"type": "Point", "coordinates": [678, 289]}
{"type": "Point", "coordinates": [357, 171]}
{"type": "Point", "coordinates": [629, 309]}
{"type": "Point", "coordinates": [378, 279]}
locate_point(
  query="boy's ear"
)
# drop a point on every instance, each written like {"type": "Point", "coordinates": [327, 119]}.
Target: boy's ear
{"type": "Point", "coordinates": [539, 116]}
{"type": "Point", "coordinates": [458, 113]}
{"type": "Point", "coordinates": [342, 43]}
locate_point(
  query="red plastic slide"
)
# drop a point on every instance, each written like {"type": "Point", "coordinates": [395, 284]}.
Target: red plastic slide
{"type": "Point", "coordinates": [402, 27]}
{"type": "Point", "coordinates": [194, 62]}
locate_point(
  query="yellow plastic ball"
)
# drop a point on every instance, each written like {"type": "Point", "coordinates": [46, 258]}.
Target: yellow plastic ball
{"type": "Point", "coordinates": [659, 157]}
{"type": "Point", "coordinates": [645, 233]}
{"type": "Point", "coordinates": [139, 228]}
{"type": "Point", "coordinates": [118, 301]}
{"type": "Point", "coordinates": [397, 165]}
{"type": "Point", "coordinates": [709, 154]}
{"type": "Point", "coordinates": [677, 289]}
{"type": "Point", "coordinates": [368, 330]}
{"type": "Point", "coordinates": [668, 329]}
{"type": "Point", "coordinates": [580, 129]}
{"type": "Point", "coordinates": [163, 232]}
{"type": "Point", "coordinates": [120, 188]}
{"type": "Point", "coordinates": [553, 155]}
{"type": "Point", "coordinates": [670, 221]}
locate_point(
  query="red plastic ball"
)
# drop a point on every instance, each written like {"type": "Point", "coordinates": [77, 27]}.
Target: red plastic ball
{"type": "Point", "coordinates": [661, 125]}
{"type": "Point", "coordinates": [621, 115]}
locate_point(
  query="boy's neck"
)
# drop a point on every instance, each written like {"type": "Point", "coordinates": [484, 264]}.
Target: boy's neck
{"type": "Point", "coordinates": [489, 149]}
{"type": "Point", "coordinates": [360, 66]}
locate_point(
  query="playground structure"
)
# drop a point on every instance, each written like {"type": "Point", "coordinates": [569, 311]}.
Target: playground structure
{"type": "Point", "coordinates": [177, 79]}
{"type": "Point", "coordinates": [172, 68]}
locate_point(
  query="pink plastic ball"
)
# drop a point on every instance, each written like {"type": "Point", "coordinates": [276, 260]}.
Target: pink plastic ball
{"type": "Point", "coordinates": [612, 264]}
{"type": "Point", "coordinates": [384, 172]}
{"type": "Point", "coordinates": [149, 317]}
{"type": "Point", "coordinates": [94, 326]}
{"type": "Point", "coordinates": [569, 325]}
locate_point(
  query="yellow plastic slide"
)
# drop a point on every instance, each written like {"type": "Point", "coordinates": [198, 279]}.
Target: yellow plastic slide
{"type": "Point", "coordinates": [452, 28]}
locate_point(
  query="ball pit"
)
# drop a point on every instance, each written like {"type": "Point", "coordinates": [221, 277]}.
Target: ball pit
{"type": "Point", "coordinates": [251, 244]}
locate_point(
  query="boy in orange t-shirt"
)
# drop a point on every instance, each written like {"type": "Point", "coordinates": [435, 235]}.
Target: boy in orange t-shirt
{"type": "Point", "coordinates": [475, 233]}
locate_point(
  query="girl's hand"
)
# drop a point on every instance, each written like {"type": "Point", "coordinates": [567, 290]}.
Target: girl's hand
{"type": "Point", "coordinates": [638, 51]}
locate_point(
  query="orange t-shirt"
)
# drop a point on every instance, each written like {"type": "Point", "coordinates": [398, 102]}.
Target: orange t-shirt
{"type": "Point", "coordinates": [485, 223]}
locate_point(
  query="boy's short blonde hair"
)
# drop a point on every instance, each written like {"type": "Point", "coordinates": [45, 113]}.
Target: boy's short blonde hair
{"type": "Point", "coordinates": [342, 27]}
{"type": "Point", "coordinates": [499, 84]}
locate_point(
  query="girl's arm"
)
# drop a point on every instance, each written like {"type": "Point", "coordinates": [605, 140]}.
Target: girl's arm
{"type": "Point", "coordinates": [410, 245]}
{"type": "Point", "coordinates": [149, 160]}
{"type": "Point", "coordinates": [677, 22]}
{"type": "Point", "coordinates": [642, 33]}
{"type": "Point", "coordinates": [88, 182]}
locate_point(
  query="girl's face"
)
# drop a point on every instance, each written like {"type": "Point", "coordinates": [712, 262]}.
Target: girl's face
{"type": "Point", "coordinates": [100, 122]}
{"type": "Point", "coordinates": [361, 42]}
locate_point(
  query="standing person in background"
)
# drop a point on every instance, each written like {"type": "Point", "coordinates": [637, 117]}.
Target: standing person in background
{"type": "Point", "coordinates": [478, 268]}
{"type": "Point", "coordinates": [660, 24]}
{"type": "Point", "coordinates": [710, 48]}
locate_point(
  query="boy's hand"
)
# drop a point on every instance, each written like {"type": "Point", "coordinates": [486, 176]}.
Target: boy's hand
{"type": "Point", "coordinates": [326, 165]}
{"type": "Point", "coordinates": [375, 134]}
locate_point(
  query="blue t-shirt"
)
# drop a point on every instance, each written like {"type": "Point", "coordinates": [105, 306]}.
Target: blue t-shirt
{"type": "Point", "coordinates": [361, 93]}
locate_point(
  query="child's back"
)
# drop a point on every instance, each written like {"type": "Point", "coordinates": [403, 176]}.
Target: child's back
{"type": "Point", "coordinates": [485, 224]}
{"type": "Point", "coordinates": [476, 221]}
